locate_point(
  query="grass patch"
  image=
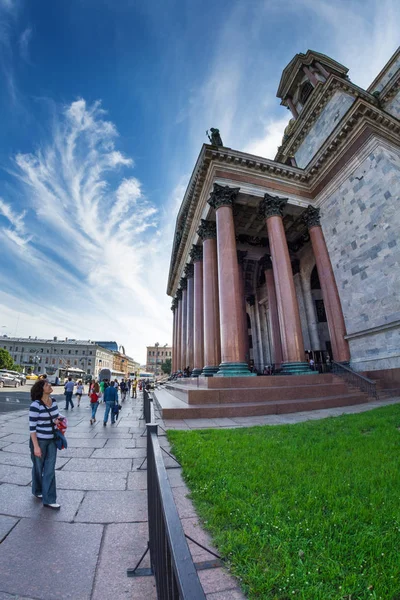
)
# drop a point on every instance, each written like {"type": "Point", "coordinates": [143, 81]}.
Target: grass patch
{"type": "Point", "coordinates": [307, 511]}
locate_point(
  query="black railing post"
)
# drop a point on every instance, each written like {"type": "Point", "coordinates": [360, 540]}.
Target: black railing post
{"type": "Point", "coordinates": [152, 495]}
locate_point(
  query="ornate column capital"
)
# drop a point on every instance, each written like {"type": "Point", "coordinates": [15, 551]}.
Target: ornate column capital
{"type": "Point", "coordinates": [241, 255]}
{"type": "Point", "coordinates": [251, 299]}
{"type": "Point", "coordinates": [189, 271]}
{"type": "Point", "coordinates": [311, 217]}
{"type": "Point", "coordinates": [207, 230]}
{"type": "Point", "coordinates": [222, 195]}
{"type": "Point", "coordinates": [174, 304]}
{"type": "Point", "coordinates": [178, 294]}
{"type": "Point", "coordinates": [183, 283]}
{"type": "Point", "coordinates": [272, 206]}
{"type": "Point", "coordinates": [265, 262]}
{"type": "Point", "coordinates": [196, 253]}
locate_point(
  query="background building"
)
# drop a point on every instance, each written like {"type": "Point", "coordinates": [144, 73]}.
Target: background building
{"type": "Point", "coordinates": [41, 356]}
{"type": "Point", "coordinates": [155, 356]}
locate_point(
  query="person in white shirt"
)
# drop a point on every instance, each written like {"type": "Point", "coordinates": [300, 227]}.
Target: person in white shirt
{"type": "Point", "coordinates": [79, 391]}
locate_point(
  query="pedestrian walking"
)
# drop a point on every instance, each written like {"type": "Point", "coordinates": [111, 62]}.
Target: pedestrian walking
{"type": "Point", "coordinates": [68, 391]}
{"type": "Point", "coordinates": [110, 398]}
{"type": "Point", "coordinates": [79, 391]}
{"type": "Point", "coordinates": [43, 416]}
{"type": "Point", "coordinates": [124, 388]}
{"type": "Point", "coordinates": [94, 401]}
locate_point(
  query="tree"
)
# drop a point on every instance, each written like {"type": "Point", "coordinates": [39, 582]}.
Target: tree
{"type": "Point", "coordinates": [17, 368]}
{"type": "Point", "coordinates": [167, 366]}
{"type": "Point", "coordinates": [6, 361]}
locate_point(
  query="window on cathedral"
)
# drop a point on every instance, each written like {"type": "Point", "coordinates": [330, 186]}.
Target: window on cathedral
{"type": "Point", "coordinates": [305, 92]}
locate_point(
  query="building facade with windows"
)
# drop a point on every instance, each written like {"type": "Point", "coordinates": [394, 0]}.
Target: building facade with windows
{"type": "Point", "coordinates": [41, 355]}
{"type": "Point", "coordinates": [275, 261]}
{"type": "Point", "coordinates": [155, 356]}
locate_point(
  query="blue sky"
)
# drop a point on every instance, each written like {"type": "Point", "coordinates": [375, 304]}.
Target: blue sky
{"type": "Point", "coordinates": [104, 106]}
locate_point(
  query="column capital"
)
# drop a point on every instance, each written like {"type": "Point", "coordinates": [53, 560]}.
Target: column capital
{"type": "Point", "coordinates": [272, 206]}
{"type": "Point", "coordinates": [178, 294]}
{"type": "Point", "coordinates": [222, 195]}
{"type": "Point", "coordinates": [196, 253]}
{"type": "Point", "coordinates": [265, 262]}
{"type": "Point", "coordinates": [311, 217]}
{"type": "Point", "coordinates": [174, 304]}
{"type": "Point", "coordinates": [189, 271]}
{"type": "Point", "coordinates": [183, 283]}
{"type": "Point", "coordinates": [251, 299]}
{"type": "Point", "coordinates": [295, 266]}
{"type": "Point", "coordinates": [241, 255]}
{"type": "Point", "coordinates": [207, 230]}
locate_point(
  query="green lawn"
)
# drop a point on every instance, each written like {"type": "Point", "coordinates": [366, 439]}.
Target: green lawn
{"type": "Point", "coordinates": [307, 511]}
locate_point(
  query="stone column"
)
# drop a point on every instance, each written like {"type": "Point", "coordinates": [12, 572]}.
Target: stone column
{"type": "Point", "coordinates": [310, 310]}
{"type": "Point", "coordinates": [179, 330]}
{"type": "Point", "coordinates": [189, 272]}
{"type": "Point", "coordinates": [271, 207]}
{"type": "Point", "coordinates": [241, 255]}
{"type": "Point", "coordinates": [292, 107]}
{"type": "Point", "coordinates": [273, 317]}
{"type": "Point", "coordinates": [196, 254]}
{"type": "Point", "coordinates": [330, 294]}
{"type": "Point", "coordinates": [174, 307]}
{"type": "Point", "coordinates": [233, 363]}
{"type": "Point", "coordinates": [212, 341]}
{"type": "Point", "coordinates": [183, 284]}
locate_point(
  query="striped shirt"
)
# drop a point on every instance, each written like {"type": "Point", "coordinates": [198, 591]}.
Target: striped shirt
{"type": "Point", "coordinates": [40, 420]}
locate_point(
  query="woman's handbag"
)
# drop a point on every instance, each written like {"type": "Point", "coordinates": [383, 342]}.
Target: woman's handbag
{"type": "Point", "coordinates": [59, 438]}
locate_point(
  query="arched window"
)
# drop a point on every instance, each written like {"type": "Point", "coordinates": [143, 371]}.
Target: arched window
{"type": "Point", "coordinates": [305, 92]}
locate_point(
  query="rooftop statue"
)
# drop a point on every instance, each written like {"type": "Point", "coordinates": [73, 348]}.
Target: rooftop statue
{"type": "Point", "coordinates": [215, 138]}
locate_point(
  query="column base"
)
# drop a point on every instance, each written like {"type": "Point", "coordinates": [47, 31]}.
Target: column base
{"type": "Point", "coordinates": [196, 372]}
{"type": "Point", "coordinates": [234, 369]}
{"type": "Point", "coordinates": [209, 371]}
{"type": "Point", "coordinates": [296, 368]}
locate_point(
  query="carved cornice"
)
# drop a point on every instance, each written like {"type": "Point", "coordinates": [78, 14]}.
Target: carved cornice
{"type": "Point", "coordinates": [179, 294]}
{"type": "Point", "coordinates": [390, 90]}
{"type": "Point", "coordinates": [189, 271]}
{"type": "Point", "coordinates": [265, 262]}
{"type": "Point", "coordinates": [183, 283]}
{"type": "Point", "coordinates": [196, 253]}
{"type": "Point", "coordinates": [241, 255]}
{"type": "Point", "coordinates": [311, 217]}
{"type": "Point", "coordinates": [252, 240]}
{"type": "Point", "coordinates": [207, 230]}
{"type": "Point", "coordinates": [272, 206]}
{"type": "Point", "coordinates": [222, 195]}
{"type": "Point", "coordinates": [251, 299]}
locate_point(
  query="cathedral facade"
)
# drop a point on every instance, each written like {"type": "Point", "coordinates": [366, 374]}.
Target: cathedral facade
{"type": "Point", "coordinates": [275, 262]}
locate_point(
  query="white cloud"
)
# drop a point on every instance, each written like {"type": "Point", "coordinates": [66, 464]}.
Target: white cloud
{"type": "Point", "coordinates": [24, 42]}
{"type": "Point", "coordinates": [96, 243]}
{"type": "Point", "coordinates": [267, 145]}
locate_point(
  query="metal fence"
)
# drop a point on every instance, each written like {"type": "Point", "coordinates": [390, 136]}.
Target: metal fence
{"type": "Point", "coordinates": [147, 407]}
{"type": "Point", "coordinates": [368, 386]}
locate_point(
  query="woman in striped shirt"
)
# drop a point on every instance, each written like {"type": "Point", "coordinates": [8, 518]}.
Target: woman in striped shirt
{"type": "Point", "coordinates": [42, 443]}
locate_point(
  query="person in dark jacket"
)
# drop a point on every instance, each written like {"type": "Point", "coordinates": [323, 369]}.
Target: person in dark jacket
{"type": "Point", "coordinates": [110, 398]}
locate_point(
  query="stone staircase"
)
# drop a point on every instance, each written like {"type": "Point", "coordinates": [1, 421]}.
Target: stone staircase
{"type": "Point", "coordinates": [218, 397]}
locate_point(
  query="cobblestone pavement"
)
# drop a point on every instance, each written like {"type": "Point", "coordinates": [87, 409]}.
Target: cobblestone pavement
{"type": "Point", "coordinates": [82, 551]}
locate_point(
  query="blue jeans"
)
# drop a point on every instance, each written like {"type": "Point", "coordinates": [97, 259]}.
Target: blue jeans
{"type": "Point", "coordinates": [109, 406]}
{"type": "Point", "coordinates": [68, 399]}
{"type": "Point", "coordinates": [43, 471]}
{"type": "Point", "coordinates": [94, 406]}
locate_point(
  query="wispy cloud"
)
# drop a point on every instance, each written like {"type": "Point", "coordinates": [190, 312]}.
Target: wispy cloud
{"type": "Point", "coordinates": [24, 42]}
{"type": "Point", "coordinates": [93, 231]}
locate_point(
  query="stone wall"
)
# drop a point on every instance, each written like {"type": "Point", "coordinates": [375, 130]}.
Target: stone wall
{"type": "Point", "coordinates": [361, 223]}
{"type": "Point", "coordinates": [393, 107]}
{"type": "Point", "coordinates": [331, 115]}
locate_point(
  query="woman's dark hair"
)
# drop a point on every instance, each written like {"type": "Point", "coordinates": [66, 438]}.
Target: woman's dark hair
{"type": "Point", "coordinates": [37, 389]}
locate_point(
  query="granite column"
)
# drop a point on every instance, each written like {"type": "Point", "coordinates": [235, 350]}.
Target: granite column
{"type": "Point", "coordinates": [273, 316]}
{"type": "Point", "coordinates": [189, 272]}
{"type": "Point", "coordinates": [196, 255]}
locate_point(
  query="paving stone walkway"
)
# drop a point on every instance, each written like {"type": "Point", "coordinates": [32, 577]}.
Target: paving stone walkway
{"type": "Point", "coordinates": [82, 551]}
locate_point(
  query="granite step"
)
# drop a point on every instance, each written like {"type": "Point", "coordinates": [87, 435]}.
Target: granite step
{"type": "Point", "coordinates": [174, 408]}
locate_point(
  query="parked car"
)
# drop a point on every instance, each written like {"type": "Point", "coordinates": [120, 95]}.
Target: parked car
{"type": "Point", "coordinates": [20, 376]}
{"type": "Point", "coordinates": [9, 380]}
